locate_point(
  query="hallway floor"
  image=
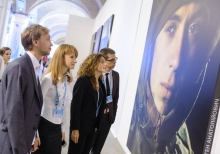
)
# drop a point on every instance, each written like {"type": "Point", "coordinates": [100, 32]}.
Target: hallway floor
{"type": "Point", "coordinates": [111, 145]}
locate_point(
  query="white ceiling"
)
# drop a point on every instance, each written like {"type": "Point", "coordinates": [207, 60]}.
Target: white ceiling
{"type": "Point", "coordinates": [54, 14]}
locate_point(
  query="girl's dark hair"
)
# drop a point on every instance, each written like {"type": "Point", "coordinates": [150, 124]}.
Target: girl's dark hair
{"type": "Point", "coordinates": [3, 49]}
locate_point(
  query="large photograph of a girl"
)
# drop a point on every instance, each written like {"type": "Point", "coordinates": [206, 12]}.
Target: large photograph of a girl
{"type": "Point", "coordinates": [177, 78]}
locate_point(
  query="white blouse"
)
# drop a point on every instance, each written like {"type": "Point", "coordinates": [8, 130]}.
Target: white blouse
{"type": "Point", "coordinates": [49, 97]}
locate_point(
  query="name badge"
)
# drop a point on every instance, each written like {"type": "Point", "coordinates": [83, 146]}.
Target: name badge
{"type": "Point", "coordinates": [58, 112]}
{"type": "Point", "coordinates": [109, 99]}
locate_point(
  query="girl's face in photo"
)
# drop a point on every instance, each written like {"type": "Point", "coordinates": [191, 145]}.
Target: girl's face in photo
{"type": "Point", "coordinates": [7, 56]}
{"type": "Point", "coordinates": [70, 61]}
{"type": "Point", "coordinates": [176, 52]}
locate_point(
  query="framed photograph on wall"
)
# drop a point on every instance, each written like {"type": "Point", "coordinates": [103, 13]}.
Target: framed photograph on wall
{"type": "Point", "coordinates": [174, 101]}
{"type": "Point", "coordinates": [106, 32]}
{"type": "Point", "coordinates": [92, 43]}
{"type": "Point", "coordinates": [97, 40]}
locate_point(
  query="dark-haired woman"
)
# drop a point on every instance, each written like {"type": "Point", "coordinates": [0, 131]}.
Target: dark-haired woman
{"type": "Point", "coordinates": [88, 105]}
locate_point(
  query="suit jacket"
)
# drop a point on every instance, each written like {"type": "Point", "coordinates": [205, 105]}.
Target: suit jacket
{"type": "Point", "coordinates": [20, 106]}
{"type": "Point", "coordinates": [83, 106]}
{"type": "Point", "coordinates": [115, 95]}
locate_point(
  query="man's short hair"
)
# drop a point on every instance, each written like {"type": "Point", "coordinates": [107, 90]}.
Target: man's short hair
{"type": "Point", "coordinates": [106, 51]}
{"type": "Point", "coordinates": [32, 32]}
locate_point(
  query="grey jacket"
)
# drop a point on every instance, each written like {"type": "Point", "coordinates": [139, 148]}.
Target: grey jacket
{"type": "Point", "coordinates": [20, 107]}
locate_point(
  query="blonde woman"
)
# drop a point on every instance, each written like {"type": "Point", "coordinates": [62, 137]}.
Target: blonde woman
{"type": "Point", "coordinates": [88, 104]}
{"type": "Point", "coordinates": [56, 97]}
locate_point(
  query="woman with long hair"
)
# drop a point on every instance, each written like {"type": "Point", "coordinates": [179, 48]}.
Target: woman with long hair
{"type": "Point", "coordinates": [56, 97]}
{"type": "Point", "coordinates": [88, 104]}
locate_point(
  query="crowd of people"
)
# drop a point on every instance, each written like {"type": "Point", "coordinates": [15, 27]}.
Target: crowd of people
{"type": "Point", "coordinates": [33, 110]}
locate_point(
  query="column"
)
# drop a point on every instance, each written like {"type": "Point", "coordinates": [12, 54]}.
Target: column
{"type": "Point", "coordinates": [5, 7]}
{"type": "Point", "coordinates": [18, 23]}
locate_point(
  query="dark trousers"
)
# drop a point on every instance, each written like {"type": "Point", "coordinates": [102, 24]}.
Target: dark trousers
{"type": "Point", "coordinates": [50, 137]}
{"type": "Point", "coordinates": [84, 144]}
{"type": "Point", "coordinates": [101, 136]}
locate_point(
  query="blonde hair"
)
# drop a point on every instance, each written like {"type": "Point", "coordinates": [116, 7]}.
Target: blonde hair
{"type": "Point", "coordinates": [88, 67]}
{"type": "Point", "coordinates": [57, 62]}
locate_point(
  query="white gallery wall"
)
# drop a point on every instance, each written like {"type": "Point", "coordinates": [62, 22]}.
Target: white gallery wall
{"type": "Point", "coordinates": [216, 141]}
{"type": "Point", "coordinates": [128, 47]}
{"type": "Point", "coordinates": [79, 34]}
{"type": "Point", "coordinates": [125, 26]}
{"type": "Point", "coordinates": [133, 74]}
{"type": "Point", "coordinates": [128, 37]}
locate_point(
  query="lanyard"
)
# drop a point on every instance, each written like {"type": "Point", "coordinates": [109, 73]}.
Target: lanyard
{"type": "Point", "coordinates": [98, 105]}
{"type": "Point", "coordinates": [57, 97]}
{"type": "Point", "coordinates": [110, 80]}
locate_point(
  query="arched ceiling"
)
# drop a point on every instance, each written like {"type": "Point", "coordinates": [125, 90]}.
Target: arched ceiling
{"type": "Point", "coordinates": [54, 14]}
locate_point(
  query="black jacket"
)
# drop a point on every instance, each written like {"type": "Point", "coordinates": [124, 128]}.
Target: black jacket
{"type": "Point", "coordinates": [84, 105]}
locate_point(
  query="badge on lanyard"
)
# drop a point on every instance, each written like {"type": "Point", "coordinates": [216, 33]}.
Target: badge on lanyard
{"type": "Point", "coordinates": [58, 112]}
{"type": "Point", "coordinates": [109, 99]}
{"type": "Point", "coordinates": [98, 105]}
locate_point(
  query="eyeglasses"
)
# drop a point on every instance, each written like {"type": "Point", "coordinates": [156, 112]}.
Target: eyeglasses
{"type": "Point", "coordinates": [113, 60]}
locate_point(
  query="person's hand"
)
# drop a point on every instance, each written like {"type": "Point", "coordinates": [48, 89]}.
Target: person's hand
{"type": "Point", "coordinates": [63, 136]}
{"type": "Point", "coordinates": [36, 144]}
{"type": "Point", "coordinates": [96, 129]}
{"type": "Point", "coordinates": [105, 111]}
{"type": "Point", "coordinates": [75, 136]}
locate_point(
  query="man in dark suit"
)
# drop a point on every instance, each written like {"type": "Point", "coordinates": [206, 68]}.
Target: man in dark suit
{"type": "Point", "coordinates": [20, 94]}
{"type": "Point", "coordinates": [111, 82]}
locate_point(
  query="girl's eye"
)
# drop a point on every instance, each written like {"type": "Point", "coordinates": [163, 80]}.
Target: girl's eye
{"type": "Point", "coordinates": [171, 29]}
{"type": "Point", "coordinates": [194, 28]}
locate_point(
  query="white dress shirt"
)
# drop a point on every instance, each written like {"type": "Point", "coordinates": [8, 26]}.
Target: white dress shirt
{"type": "Point", "coordinates": [49, 97]}
{"type": "Point", "coordinates": [35, 63]}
